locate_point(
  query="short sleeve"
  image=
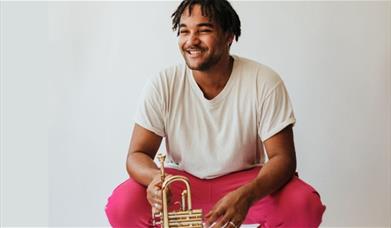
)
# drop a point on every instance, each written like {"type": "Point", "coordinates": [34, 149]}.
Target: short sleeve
{"type": "Point", "coordinates": [276, 112]}
{"type": "Point", "coordinates": [150, 110]}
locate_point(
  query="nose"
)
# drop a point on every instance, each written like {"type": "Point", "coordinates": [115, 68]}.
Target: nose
{"type": "Point", "coordinates": [193, 39]}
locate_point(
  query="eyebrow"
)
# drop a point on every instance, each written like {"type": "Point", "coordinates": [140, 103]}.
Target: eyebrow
{"type": "Point", "coordinates": [205, 24]}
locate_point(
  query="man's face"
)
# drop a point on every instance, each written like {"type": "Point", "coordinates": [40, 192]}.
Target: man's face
{"type": "Point", "coordinates": [201, 41]}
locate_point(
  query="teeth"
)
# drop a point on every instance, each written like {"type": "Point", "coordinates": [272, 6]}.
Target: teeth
{"type": "Point", "coordinates": [194, 52]}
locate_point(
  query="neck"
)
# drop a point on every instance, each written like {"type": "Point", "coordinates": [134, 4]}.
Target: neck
{"type": "Point", "coordinates": [216, 77]}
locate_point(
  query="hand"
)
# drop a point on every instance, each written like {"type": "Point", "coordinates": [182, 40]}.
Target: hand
{"type": "Point", "coordinates": [230, 211]}
{"type": "Point", "coordinates": [154, 193]}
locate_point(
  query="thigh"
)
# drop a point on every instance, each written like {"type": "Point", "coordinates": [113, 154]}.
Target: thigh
{"type": "Point", "coordinates": [128, 206]}
{"type": "Point", "coordinates": [296, 204]}
{"type": "Point", "coordinates": [207, 192]}
{"type": "Point", "coordinates": [199, 188]}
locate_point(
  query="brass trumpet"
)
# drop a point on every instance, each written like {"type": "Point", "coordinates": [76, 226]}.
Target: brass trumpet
{"type": "Point", "coordinates": [186, 216]}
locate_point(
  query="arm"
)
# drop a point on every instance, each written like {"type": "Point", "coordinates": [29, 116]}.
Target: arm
{"type": "Point", "coordinates": [142, 149]}
{"type": "Point", "coordinates": [273, 175]}
{"type": "Point", "coordinates": [279, 169]}
{"type": "Point", "coordinates": [140, 166]}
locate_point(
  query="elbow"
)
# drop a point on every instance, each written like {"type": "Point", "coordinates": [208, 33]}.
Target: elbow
{"type": "Point", "coordinates": [288, 166]}
{"type": "Point", "coordinates": [128, 163]}
{"type": "Point", "coordinates": [292, 164]}
{"type": "Point", "coordinates": [130, 159]}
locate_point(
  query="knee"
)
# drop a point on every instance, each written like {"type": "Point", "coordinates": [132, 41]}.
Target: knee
{"type": "Point", "coordinates": [305, 205]}
{"type": "Point", "coordinates": [117, 212]}
{"type": "Point", "coordinates": [307, 202]}
{"type": "Point", "coordinates": [127, 206]}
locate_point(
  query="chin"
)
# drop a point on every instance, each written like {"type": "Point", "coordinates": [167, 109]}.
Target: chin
{"type": "Point", "coordinates": [199, 67]}
{"type": "Point", "coordinates": [194, 65]}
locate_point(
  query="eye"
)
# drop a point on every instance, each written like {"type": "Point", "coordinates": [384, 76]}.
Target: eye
{"type": "Point", "coordinates": [183, 31]}
{"type": "Point", "coordinates": [205, 31]}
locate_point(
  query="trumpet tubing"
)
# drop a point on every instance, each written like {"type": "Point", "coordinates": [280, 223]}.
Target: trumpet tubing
{"type": "Point", "coordinates": [186, 216]}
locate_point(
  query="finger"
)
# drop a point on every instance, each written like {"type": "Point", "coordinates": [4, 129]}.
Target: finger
{"type": "Point", "coordinates": [157, 196]}
{"type": "Point", "coordinates": [158, 201]}
{"type": "Point", "coordinates": [158, 185]}
{"type": "Point", "coordinates": [211, 212]}
{"type": "Point", "coordinates": [154, 198]}
{"type": "Point", "coordinates": [155, 203]}
{"type": "Point", "coordinates": [157, 193]}
{"type": "Point", "coordinates": [153, 195]}
{"type": "Point", "coordinates": [225, 221]}
{"type": "Point", "coordinates": [217, 209]}
{"type": "Point", "coordinates": [157, 207]}
{"type": "Point", "coordinates": [212, 225]}
{"type": "Point", "coordinates": [234, 223]}
{"type": "Point", "coordinates": [236, 220]}
{"type": "Point", "coordinates": [213, 216]}
{"type": "Point", "coordinates": [153, 187]}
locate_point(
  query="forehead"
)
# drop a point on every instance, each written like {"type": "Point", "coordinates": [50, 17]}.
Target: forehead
{"type": "Point", "coordinates": [194, 15]}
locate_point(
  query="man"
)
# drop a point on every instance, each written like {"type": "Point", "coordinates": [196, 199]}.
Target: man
{"type": "Point", "coordinates": [218, 114]}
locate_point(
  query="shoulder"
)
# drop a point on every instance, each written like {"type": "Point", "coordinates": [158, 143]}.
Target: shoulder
{"type": "Point", "coordinates": [167, 77]}
{"type": "Point", "coordinates": [263, 76]}
{"type": "Point", "coordinates": [172, 72]}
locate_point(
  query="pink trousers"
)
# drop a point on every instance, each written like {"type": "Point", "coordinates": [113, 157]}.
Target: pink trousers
{"type": "Point", "coordinates": [296, 204]}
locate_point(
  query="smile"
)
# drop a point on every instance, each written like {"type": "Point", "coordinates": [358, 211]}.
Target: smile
{"type": "Point", "coordinates": [194, 52]}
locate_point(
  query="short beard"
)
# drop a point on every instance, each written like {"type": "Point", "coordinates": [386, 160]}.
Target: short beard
{"type": "Point", "coordinates": [206, 65]}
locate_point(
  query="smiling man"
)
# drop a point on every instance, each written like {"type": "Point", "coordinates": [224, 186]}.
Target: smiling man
{"type": "Point", "coordinates": [220, 116]}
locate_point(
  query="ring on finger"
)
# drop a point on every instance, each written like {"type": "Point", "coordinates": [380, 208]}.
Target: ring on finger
{"type": "Point", "coordinates": [232, 224]}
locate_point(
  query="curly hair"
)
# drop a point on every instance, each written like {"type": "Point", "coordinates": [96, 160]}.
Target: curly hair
{"type": "Point", "coordinates": [220, 11]}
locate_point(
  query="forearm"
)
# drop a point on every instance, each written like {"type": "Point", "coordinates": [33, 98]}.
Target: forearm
{"type": "Point", "coordinates": [141, 167]}
{"type": "Point", "coordinates": [272, 176]}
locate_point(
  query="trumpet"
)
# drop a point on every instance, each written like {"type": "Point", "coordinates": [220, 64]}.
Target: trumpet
{"type": "Point", "coordinates": [185, 216]}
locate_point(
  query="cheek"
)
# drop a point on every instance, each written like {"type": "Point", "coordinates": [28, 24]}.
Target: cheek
{"type": "Point", "coordinates": [181, 43]}
{"type": "Point", "coordinates": [211, 42]}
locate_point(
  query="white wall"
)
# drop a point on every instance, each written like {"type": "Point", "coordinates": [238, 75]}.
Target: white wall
{"type": "Point", "coordinates": [62, 157]}
{"type": "Point", "coordinates": [23, 114]}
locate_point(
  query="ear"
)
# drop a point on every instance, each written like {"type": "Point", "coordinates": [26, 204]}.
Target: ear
{"type": "Point", "coordinates": [229, 38]}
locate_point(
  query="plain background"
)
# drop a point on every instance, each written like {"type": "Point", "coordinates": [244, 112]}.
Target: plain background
{"type": "Point", "coordinates": [72, 72]}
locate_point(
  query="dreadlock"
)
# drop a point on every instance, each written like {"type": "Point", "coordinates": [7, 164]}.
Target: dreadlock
{"type": "Point", "coordinates": [220, 11]}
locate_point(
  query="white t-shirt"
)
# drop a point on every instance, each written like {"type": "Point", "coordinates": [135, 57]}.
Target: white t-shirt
{"type": "Point", "coordinates": [210, 138]}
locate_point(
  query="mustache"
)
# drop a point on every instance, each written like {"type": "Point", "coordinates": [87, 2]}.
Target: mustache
{"type": "Point", "coordinates": [192, 48]}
